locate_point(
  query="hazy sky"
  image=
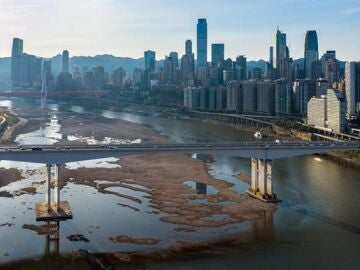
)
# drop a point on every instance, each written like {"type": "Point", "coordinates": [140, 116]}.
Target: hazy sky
{"type": "Point", "coordinates": [128, 27]}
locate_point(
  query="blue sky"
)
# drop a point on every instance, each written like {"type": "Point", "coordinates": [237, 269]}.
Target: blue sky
{"type": "Point", "coordinates": [127, 28]}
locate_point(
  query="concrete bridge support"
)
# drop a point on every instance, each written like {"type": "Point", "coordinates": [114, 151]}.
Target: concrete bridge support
{"type": "Point", "coordinates": [57, 186]}
{"type": "Point", "coordinates": [52, 210]}
{"type": "Point", "coordinates": [261, 180]}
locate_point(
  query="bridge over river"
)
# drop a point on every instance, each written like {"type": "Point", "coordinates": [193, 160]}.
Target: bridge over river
{"type": "Point", "coordinates": [262, 155]}
{"type": "Point", "coordinates": [95, 93]}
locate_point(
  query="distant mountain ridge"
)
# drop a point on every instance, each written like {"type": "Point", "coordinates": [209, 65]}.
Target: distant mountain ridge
{"type": "Point", "coordinates": [110, 63]}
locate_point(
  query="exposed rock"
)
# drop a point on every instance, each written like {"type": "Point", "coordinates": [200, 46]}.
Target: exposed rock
{"type": "Point", "coordinates": [78, 238]}
{"type": "Point", "coordinates": [139, 241]}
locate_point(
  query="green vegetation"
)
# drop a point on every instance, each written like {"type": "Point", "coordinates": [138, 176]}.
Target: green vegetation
{"type": "Point", "coordinates": [10, 120]}
{"type": "Point", "coordinates": [292, 124]}
{"type": "Point", "coordinates": [168, 97]}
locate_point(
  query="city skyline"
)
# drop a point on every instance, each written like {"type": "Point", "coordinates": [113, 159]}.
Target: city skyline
{"type": "Point", "coordinates": [228, 23]}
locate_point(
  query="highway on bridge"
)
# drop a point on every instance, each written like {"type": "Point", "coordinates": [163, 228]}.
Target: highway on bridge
{"type": "Point", "coordinates": [58, 154]}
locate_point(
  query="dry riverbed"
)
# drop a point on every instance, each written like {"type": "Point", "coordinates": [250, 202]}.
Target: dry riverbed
{"type": "Point", "coordinates": [161, 176]}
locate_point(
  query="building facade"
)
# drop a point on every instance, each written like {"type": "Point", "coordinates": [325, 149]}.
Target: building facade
{"type": "Point", "coordinates": [352, 87]}
{"type": "Point", "coordinates": [311, 54]}
{"type": "Point", "coordinates": [202, 43]}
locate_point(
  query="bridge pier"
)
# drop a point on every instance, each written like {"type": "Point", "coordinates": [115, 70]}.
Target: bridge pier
{"type": "Point", "coordinates": [48, 186]}
{"type": "Point", "coordinates": [57, 187]}
{"type": "Point", "coordinates": [261, 180]}
{"type": "Point", "coordinates": [52, 210]}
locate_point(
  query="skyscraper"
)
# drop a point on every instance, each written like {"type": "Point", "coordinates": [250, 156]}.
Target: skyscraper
{"type": "Point", "coordinates": [332, 71]}
{"type": "Point", "coordinates": [352, 90]}
{"type": "Point", "coordinates": [118, 77]}
{"type": "Point", "coordinates": [271, 55]}
{"type": "Point", "coordinates": [187, 64]}
{"type": "Point", "coordinates": [149, 57]}
{"type": "Point", "coordinates": [202, 43]}
{"type": "Point", "coordinates": [188, 47]}
{"type": "Point", "coordinates": [280, 49]}
{"type": "Point", "coordinates": [303, 91]}
{"type": "Point", "coordinates": [282, 63]}
{"type": "Point", "coordinates": [16, 53]}
{"type": "Point", "coordinates": [240, 68]}
{"type": "Point", "coordinates": [311, 53]}
{"type": "Point", "coordinates": [175, 57]}
{"type": "Point", "coordinates": [65, 61]}
{"type": "Point", "coordinates": [329, 55]}
{"type": "Point", "coordinates": [170, 68]}
{"type": "Point", "coordinates": [217, 54]}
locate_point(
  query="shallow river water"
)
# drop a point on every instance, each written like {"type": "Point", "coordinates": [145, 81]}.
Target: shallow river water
{"type": "Point", "coordinates": [317, 225]}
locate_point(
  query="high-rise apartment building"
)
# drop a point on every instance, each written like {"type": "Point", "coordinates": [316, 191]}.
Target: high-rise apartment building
{"type": "Point", "coordinates": [265, 97]}
{"type": "Point", "coordinates": [321, 87]}
{"type": "Point", "coordinates": [352, 90]}
{"type": "Point", "coordinates": [170, 68]}
{"type": "Point", "coordinates": [234, 96]}
{"type": "Point", "coordinates": [118, 77]}
{"type": "Point", "coordinates": [249, 97]}
{"type": "Point", "coordinates": [188, 64]}
{"type": "Point", "coordinates": [332, 71]}
{"type": "Point", "coordinates": [220, 103]}
{"type": "Point", "coordinates": [336, 111]}
{"type": "Point", "coordinates": [303, 91]}
{"type": "Point", "coordinates": [328, 111]}
{"type": "Point", "coordinates": [329, 55]}
{"type": "Point", "coordinates": [282, 97]}
{"type": "Point", "coordinates": [240, 68]}
{"type": "Point", "coordinates": [99, 77]}
{"type": "Point", "coordinates": [317, 112]}
{"type": "Point", "coordinates": [311, 53]}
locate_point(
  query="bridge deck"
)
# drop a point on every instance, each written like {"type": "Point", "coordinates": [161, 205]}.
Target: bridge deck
{"type": "Point", "coordinates": [58, 154]}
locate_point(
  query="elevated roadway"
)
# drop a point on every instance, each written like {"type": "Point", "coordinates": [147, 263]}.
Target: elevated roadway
{"type": "Point", "coordinates": [261, 153]}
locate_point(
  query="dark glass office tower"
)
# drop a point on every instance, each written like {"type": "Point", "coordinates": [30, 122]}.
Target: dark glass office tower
{"type": "Point", "coordinates": [311, 53]}
{"type": "Point", "coordinates": [202, 43]}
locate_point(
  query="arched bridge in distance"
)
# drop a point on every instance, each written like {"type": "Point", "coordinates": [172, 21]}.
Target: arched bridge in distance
{"type": "Point", "coordinates": [261, 153]}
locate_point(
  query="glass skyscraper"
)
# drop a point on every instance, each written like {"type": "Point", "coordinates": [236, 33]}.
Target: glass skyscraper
{"type": "Point", "coordinates": [188, 47]}
{"type": "Point", "coordinates": [65, 61]}
{"type": "Point", "coordinates": [311, 53]}
{"type": "Point", "coordinates": [352, 84]}
{"type": "Point", "coordinates": [16, 53]}
{"type": "Point", "coordinates": [149, 60]}
{"type": "Point", "coordinates": [281, 54]}
{"type": "Point", "coordinates": [217, 53]}
{"type": "Point", "coordinates": [202, 43]}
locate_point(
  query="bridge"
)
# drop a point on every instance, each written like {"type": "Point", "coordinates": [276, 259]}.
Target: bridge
{"type": "Point", "coordinates": [261, 153]}
{"type": "Point", "coordinates": [98, 93]}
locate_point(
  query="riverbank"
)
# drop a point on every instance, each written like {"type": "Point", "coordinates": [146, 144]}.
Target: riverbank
{"type": "Point", "coordinates": [279, 133]}
{"type": "Point", "coordinates": [13, 124]}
